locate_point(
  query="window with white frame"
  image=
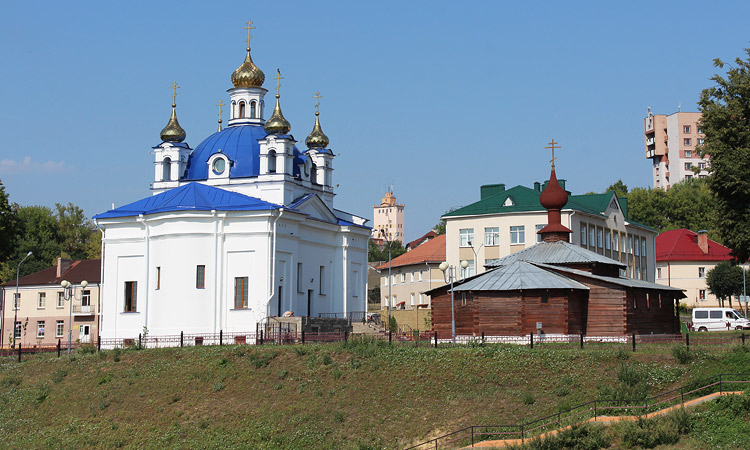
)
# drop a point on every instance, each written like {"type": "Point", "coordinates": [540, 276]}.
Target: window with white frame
{"type": "Point", "coordinates": [636, 250]}
{"type": "Point", "coordinates": [643, 248]}
{"type": "Point", "coordinates": [468, 271]}
{"type": "Point", "coordinates": [701, 272]}
{"type": "Point", "coordinates": [702, 294]}
{"type": "Point", "coordinates": [411, 277]}
{"type": "Point", "coordinates": [131, 290]}
{"type": "Point", "coordinates": [688, 166]}
{"type": "Point", "coordinates": [411, 299]}
{"type": "Point", "coordinates": [59, 328]}
{"type": "Point", "coordinates": [600, 238]}
{"type": "Point", "coordinates": [60, 300]}
{"type": "Point", "coordinates": [403, 277]}
{"type": "Point", "coordinates": [466, 235]}
{"type": "Point", "coordinates": [615, 240]}
{"type": "Point", "coordinates": [687, 141]}
{"type": "Point", "coordinates": [688, 153]}
{"type": "Point", "coordinates": [686, 129]}
{"type": "Point", "coordinates": [16, 300]}
{"type": "Point", "coordinates": [420, 275]}
{"type": "Point", "coordinates": [421, 299]}
{"type": "Point", "coordinates": [41, 301]}
{"type": "Point", "coordinates": [608, 240]}
{"type": "Point", "coordinates": [40, 329]}
{"type": "Point", "coordinates": [630, 244]}
{"type": "Point", "coordinates": [538, 229]}
{"type": "Point", "coordinates": [592, 236]}
{"type": "Point", "coordinates": [698, 129]}
{"type": "Point", "coordinates": [623, 247]}
{"type": "Point", "coordinates": [491, 236]}
{"type": "Point", "coordinates": [700, 141]}
{"type": "Point", "coordinates": [584, 233]}
{"type": "Point", "coordinates": [658, 272]}
{"type": "Point", "coordinates": [688, 177]}
{"type": "Point", "coordinates": [517, 234]}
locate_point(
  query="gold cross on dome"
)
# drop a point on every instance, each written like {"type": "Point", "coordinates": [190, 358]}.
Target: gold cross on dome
{"type": "Point", "coordinates": [249, 28]}
{"type": "Point", "coordinates": [553, 145]}
{"type": "Point", "coordinates": [278, 79]}
{"type": "Point", "coordinates": [317, 98]}
{"type": "Point", "coordinates": [174, 91]}
{"type": "Point", "coordinates": [220, 104]}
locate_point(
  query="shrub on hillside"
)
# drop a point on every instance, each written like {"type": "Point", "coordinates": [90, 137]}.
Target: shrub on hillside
{"type": "Point", "coordinates": [681, 353]}
{"type": "Point", "coordinates": [579, 437]}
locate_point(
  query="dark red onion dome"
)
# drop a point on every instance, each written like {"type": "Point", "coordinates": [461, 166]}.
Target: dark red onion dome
{"type": "Point", "coordinates": [553, 196]}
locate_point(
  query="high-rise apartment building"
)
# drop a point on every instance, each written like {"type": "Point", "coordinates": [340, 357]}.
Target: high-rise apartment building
{"type": "Point", "coordinates": [388, 219]}
{"type": "Point", "coordinates": [671, 142]}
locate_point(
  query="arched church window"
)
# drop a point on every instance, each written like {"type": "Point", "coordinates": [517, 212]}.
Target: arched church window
{"type": "Point", "coordinates": [234, 109]}
{"type": "Point", "coordinates": [272, 161]}
{"type": "Point", "coordinates": [242, 109]}
{"type": "Point", "coordinates": [252, 110]}
{"type": "Point", "coordinates": [314, 174]}
{"type": "Point", "coordinates": [166, 168]}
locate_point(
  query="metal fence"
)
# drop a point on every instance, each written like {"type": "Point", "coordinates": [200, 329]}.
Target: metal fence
{"type": "Point", "coordinates": [593, 410]}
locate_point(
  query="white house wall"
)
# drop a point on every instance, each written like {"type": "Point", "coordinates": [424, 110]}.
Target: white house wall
{"type": "Point", "coordinates": [229, 245]}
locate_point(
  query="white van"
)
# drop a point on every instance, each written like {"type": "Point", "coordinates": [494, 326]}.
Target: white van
{"type": "Point", "coordinates": [718, 319]}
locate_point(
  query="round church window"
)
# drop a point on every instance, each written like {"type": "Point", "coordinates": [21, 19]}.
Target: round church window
{"type": "Point", "coordinates": [219, 166]}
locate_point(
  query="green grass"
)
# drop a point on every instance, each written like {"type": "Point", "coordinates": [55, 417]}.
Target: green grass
{"type": "Point", "coordinates": [359, 395]}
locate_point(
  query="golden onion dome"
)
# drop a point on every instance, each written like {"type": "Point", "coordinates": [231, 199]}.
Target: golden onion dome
{"type": "Point", "coordinates": [248, 74]}
{"type": "Point", "coordinates": [173, 132]}
{"type": "Point", "coordinates": [317, 139]}
{"type": "Point", "coordinates": [277, 124]}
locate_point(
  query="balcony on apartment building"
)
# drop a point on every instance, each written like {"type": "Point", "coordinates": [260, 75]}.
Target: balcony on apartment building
{"type": "Point", "coordinates": [83, 309]}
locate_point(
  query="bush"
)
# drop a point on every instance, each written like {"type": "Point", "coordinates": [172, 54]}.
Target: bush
{"type": "Point", "coordinates": [681, 353]}
{"type": "Point", "coordinates": [527, 398]}
{"type": "Point", "coordinates": [648, 433]}
{"type": "Point", "coordinates": [116, 354]}
{"type": "Point", "coordinates": [579, 437]}
{"type": "Point", "coordinates": [87, 349]}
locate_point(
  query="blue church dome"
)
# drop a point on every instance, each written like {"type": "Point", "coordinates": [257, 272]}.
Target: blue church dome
{"type": "Point", "coordinates": [240, 145]}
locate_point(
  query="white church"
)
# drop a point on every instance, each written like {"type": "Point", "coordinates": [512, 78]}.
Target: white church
{"type": "Point", "coordinates": [239, 229]}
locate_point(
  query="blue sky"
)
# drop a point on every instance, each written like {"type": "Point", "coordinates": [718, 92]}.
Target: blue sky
{"type": "Point", "coordinates": [435, 98]}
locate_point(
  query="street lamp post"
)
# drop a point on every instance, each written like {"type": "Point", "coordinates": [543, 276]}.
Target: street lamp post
{"type": "Point", "coordinates": [390, 282]}
{"type": "Point", "coordinates": [16, 302]}
{"type": "Point", "coordinates": [476, 256]}
{"type": "Point", "coordinates": [444, 266]}
{"type": "Point", "coordinates": [69, 294]}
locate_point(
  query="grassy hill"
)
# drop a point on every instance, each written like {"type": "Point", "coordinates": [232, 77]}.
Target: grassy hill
{"type": "Point", "coordinates": [360, 395]}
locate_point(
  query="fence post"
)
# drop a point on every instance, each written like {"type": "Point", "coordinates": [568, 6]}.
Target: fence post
{"type": "Point", "coordinates": [303, 336]}
{"type": "Point", "coordinates": [531, 339]}
{"type": "Point", "coordinates": [472, 429]}
{"type": "Point", "coordinates": [436, 339]}
{"type": "Point", "coordinates": [522, 433]}
{"type": "Point", "coordinates": [390, 339]}
{"type": "Point", "coordinates": [687, 341]}
{"type": "Point", "coordinates": [594, 410]}
{"type": "Point", "coordinates": [98, 343]}
{"type": "Point", "coordinates": [743, 338]}
{"type": "Point", "coordinates": [139, 341]}
{"type": "Point", "coordinates": [261, 337]}
{"type": "Point", "coordinates": [19, 352]}
{"type": "Point", "coordinates": [482, 346]}
{"type": "Point", "coordinates": [633, 341]}
{"type": "Point", "coordinates": [346, 335]}
{"type": "Point", "coordinates": [721, 386]}
{"type": "Point", "coordinates": [682, 395]}
{"type": "Point", "coordinates": [182, 336]}
{"type": "Point", "coordinates": [221, 337]}
{"type": "Point", "coordinates": [58, 348]}
{"type": "Point", "coordinates": [581, 340]}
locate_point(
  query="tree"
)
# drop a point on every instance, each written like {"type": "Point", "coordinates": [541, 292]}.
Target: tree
{"type": "Point", "coordinates": [8, 225]}
{"type": "Point", "coordinates": [440, 227]}
{"type": "Point", "coordinates": [688, 204]}
{"type": "Point", "coordinates": [724, 281]}
{"type": "Point", "coordinates": [75, 231]}
{"type": "Point", "coordinates": [619, 188]}
{"type": "Point", "coordinates": [726, 125]}
{"type": "Point", "coordinates": [380, 253]}
{"type": "Point", "coordinates": [37, 232]}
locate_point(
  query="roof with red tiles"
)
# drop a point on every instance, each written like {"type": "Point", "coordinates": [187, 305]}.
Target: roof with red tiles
{"type": "Point", "coordinates": [417, 242]}
{"type": "Point", "coordinates": [87, 269]}
{"type": "Point", "coordinates": [682, 245]}
{"type": "Point", "coordinates": [432, 251]}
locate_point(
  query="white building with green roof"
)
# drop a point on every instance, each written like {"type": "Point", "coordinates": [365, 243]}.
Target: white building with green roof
{"type": "Point", "coordinates": [505, 221]}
